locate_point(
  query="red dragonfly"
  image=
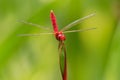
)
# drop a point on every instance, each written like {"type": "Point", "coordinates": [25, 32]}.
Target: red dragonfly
{"type": "Point", "coordinates": [59, 35]}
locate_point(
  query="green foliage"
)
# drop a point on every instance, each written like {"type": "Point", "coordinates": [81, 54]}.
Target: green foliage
{"type": "Point", "coordinates": [91, 55]}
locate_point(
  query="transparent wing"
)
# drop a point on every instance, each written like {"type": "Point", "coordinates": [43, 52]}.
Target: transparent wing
{"type": "Point", "coordinates": [79, 30]}
{"type": "Point", "coordinates": [34, 34]}
{"type": "Point", "coordinates": [76, 22]}
{"type": "Point", "coordinates": [36, 25]}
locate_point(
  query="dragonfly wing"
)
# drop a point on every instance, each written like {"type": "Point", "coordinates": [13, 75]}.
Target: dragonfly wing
{"type": "Point", "coordinates": [36, 25]}
{"type": "Point", "coordinates": [34, 34]}
{"type": "Point", "coordinates": [76, 22]}
{"type": "Point", "coordinates": [79, 30]}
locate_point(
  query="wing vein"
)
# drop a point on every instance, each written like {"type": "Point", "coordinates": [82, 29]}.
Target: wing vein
{"type": "Point", "coordinates": [76, 22]}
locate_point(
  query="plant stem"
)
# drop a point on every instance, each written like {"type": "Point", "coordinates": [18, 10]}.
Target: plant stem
{"type": "Point", "coordinates": [62, 58]}
{"type": "Point", "coordinates": [65, 66]}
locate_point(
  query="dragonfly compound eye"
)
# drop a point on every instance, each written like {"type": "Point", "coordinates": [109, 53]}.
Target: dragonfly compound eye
{"type": "Point", "coordinates": [60, 37]}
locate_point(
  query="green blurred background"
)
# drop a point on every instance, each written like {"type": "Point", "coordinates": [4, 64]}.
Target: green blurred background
{"type": "Point", "coordinates": [91, 55]}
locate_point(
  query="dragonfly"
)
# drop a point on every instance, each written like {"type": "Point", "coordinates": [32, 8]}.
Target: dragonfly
{"type": "Point", "coordinates": [59, 35]}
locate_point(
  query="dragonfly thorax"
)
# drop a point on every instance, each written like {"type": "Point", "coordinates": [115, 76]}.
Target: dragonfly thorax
{"type": "Point", "coordinates": [60, 36]}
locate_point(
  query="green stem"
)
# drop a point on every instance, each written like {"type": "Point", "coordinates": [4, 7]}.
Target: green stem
{"type": "Point", "coordinates": [62, 60]}
{"type": "Point", "coordinates": [65, 65]}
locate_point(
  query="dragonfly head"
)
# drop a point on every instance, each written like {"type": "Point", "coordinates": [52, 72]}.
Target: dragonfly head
{"type": "Point", "coordinates": [60, 36]}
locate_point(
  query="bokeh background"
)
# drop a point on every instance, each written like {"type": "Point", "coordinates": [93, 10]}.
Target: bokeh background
{"type": "Point", "coordinates": [91, 55]}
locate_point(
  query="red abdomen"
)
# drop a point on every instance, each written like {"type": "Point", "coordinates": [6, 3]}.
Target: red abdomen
{"type": "Point", "coordinates": [54, 22]}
